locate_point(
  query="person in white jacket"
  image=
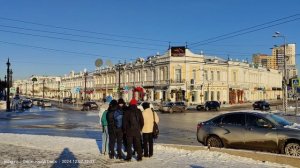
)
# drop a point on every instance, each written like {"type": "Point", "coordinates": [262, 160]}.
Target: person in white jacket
{"type": "Point", "coordinates": [147, 130]}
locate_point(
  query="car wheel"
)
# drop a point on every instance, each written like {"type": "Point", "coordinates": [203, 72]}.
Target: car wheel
{"type": "Point", "coordinates": [206, 108]}
{"type": "Point", "coordinates": [198, 108]}
{"type": "Point", "coordinates": [214, 141]}
{"type": "Point", "coordinates": [292, 149]}
{"type": "Point", "coordinates": [264, 107]}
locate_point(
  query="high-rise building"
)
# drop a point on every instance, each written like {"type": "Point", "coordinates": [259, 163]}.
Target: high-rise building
{"type": "Point", "coordinates": [264, 60]}
{"type": "Point", "coordinates": [290, 52]}
{"type": "Point", "coordinates": [276, 60]}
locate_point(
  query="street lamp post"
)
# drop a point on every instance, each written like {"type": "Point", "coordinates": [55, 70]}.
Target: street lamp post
{"type": "Point", "coordinates": [119, 89]}
{"type": "Point", "coordinates": [43, 88]}
{"type": "Point", "coordinates": [8, 86]}
{"type": "Point", "coordinates": [85, 76]}
{"type": "Point", "coordinates": [285, 79]}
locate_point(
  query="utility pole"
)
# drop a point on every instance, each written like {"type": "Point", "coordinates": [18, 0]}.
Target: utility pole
{"type": "Point", "coordinates": [285, 77]}
{"type": "Point", "coordinates": [85, 76]}
{"type": "Point", "coordinates": [119, 90]}
{"type": "Point", "coordinates": [43, 88]}
{"type": "Point", "coordinates": [8, 86]}
{"type": "Point", "coordinates": [26, 88]}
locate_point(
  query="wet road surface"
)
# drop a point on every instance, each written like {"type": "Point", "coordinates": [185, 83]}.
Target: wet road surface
{"type": "Point", "coordinates": [176, 128]}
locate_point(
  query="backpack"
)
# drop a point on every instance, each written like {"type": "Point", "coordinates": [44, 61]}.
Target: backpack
{"type": "Point", "coordinates": [118, 118]}
{"type": "Point", "coordinates": [155, 128]}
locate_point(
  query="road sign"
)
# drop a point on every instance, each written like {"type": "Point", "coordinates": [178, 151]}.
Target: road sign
{"type": "Point", "coordinates": [12, 90]}
{"type": "Point", "coordinates": [295, 82]}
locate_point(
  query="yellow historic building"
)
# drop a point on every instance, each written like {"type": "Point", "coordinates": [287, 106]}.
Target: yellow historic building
{"type": "Point", "coordinates": [177, 75]}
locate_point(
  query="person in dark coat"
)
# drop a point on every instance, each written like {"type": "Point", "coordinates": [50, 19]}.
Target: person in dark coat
{"type": "Point", "coordinates": [123, 107]}
{"type": "Point", "coordinates": [133, 123]}
{"type": "Point", "coordinates": [114, 132]}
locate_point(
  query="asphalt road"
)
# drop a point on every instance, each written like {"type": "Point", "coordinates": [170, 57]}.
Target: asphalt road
{"type": "Point", "coordinates": [176, 128]}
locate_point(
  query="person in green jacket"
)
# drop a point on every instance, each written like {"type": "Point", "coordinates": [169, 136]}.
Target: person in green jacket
{"type": "Point", "coordinates": [104, 124]}
{"type": "Point", "coordinates": [104, 133]}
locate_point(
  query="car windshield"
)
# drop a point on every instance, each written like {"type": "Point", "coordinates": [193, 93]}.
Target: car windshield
{"type": "Point", "coordinates": [278, 120]}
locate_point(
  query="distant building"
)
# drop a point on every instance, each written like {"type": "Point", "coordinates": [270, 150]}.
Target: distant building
{"type": "Point", "coordinates": [278, 54]}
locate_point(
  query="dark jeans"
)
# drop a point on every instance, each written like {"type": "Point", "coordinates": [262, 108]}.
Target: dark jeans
{"type": "Point", "coordinates": [112, 140]}
{"type": "Point", "coordinates": [148, 144]}
{"type": "Point", "coordinates": [136, 141]}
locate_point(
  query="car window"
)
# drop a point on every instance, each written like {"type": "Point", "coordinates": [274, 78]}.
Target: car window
{"type": "Point", "coordinates": [234, 119]}
{"type": "Point", "coordinates": [278, 120]}
{"type": "Point", "coordinates": [217, 120]}
{"type": "Point", "coordinates": [256, 121]}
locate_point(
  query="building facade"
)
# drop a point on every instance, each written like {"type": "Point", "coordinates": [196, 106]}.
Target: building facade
{"type": "Point", "coordinates": [177, 75]}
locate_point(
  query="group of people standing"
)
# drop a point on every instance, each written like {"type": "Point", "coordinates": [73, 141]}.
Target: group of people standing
{"type": "Point", "coordinates": [129, 127]}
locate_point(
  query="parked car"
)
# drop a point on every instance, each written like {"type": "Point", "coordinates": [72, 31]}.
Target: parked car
{"type": "Point", "coordinates": [251, 130]}
{"type": "Point", "coordinates": [261, 105]}
{"type": "Point", "coordinates": [90, 105]}
{"type": "Point", "coordinates": [26, 103]}
{"type": "Point", "coordinates": [45, 103]}
{"type": "Point", "coordinates": [171, 107]}
{"type": "Point", "coordinates": [209, 105]}
{"type": "Point", "coordinates": [36, 101]}
{"type": "Point", "coordinates": [140, 105]}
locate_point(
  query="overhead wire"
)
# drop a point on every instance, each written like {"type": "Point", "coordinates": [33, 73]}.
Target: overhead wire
{"type": "Point", "coordinates": [81, 36]}
{"type": "Point", "coordinates": [245, 32]}
{"type": "Point", "coordinates": [85, 31]}
{"type": "Point", "coordinates": [242, 30]}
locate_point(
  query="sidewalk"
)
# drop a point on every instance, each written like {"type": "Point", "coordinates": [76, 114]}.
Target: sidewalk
{"type": "Point", "coordinates": [20, 150]}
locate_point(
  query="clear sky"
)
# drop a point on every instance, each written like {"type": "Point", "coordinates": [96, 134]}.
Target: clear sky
{"type": "Point", "coordinates": [41, 36]}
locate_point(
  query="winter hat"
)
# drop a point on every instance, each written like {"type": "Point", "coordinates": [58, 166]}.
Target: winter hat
{"type": "Point", "coordinates": [121, 101]}
{"type": "Point", "coordinates": [108, 99]}
{"type": "Point", "coordinates": [113, 103]}
{"type": "Point", "coordinates": [133, 102]}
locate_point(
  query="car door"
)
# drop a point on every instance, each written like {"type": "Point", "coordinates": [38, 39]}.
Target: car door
{"type": "Point", "coordinates": [260, 134]}
{"type": "Point", "coordinates": [233, 130]}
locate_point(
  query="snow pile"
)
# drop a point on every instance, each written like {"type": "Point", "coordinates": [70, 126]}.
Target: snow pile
{"type": "Point", "coordinates": [52, 143]}
{"type": "Point", "coordinates": [168, 157]}
{"type": "Point", "coordinates": [163, 156]}
{"type": "Point", "coordinates": [294, 126]}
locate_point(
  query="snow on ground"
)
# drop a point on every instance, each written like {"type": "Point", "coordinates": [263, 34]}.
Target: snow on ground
{"type": "Point", "coordinates": [89, 149]}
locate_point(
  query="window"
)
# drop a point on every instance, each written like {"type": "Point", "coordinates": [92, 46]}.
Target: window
{"type": "Point", "coordinates": [161, 74]}
{"type": "Point", "coordinates": [218, 95]}
{"type": "Point", "coordinates": [145, 75]}
{"type": "Point", "coordinates": [234, 76]}
{"type": "Point", "coordinates": [212, 75]}
{"type": "Point", "coordinates": [166, 73]}
{"type": "Point", "coordinates": [218, 76]}
{"type": "Point", "coordinates": [205, 75]}
{"type": "Point", "coordinates": [194, 75]}
{"type": "Point", "coordinates": [152, 75]}
{"type": "Point", "coordinates": [234, 119]}
{"type": "Point", "coordinates": [212, 95]}
{"type": "Point", "coordinates": [178, 75]}
{"type": "Point", "coordinates": [127, 77]}
{"type": "Point", "coordinates": [139, 76]}
{"type": "Point", "coordinates": [256, 121]}
{"type": "Point", "coordinates": [206, 96]}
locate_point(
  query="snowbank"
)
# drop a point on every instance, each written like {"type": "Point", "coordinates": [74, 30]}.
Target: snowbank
{"type": "Point", "coordinates": [294, 126]}
{"type": "Point", "coordinates": [163, 156]}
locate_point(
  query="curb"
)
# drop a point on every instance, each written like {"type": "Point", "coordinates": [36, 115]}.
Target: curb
{"type": "Point", "coordinates": [255, 155]}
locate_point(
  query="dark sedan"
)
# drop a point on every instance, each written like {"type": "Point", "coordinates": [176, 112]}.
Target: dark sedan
{"type": "Point", "coordinates": [261, 105]}
{"type": "Point", "coordinates": [251, 130]}
{"type": "Point", "coordinates": [26, 103]}
{"type": "Point", "coordinates": [90, 105]}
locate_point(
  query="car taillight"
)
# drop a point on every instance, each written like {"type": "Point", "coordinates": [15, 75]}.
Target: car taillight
{"type": "Point", "coordinates": [199, 125]}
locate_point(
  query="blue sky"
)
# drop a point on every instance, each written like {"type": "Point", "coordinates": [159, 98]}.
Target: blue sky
{"type": "Point", "coordinates": [143, 27]}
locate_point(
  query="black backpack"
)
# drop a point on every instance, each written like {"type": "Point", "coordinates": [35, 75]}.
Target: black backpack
{"type": "Point", "coordinates": [118, 118]}
{"type": "Point", "coordinates": [155, 128]}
